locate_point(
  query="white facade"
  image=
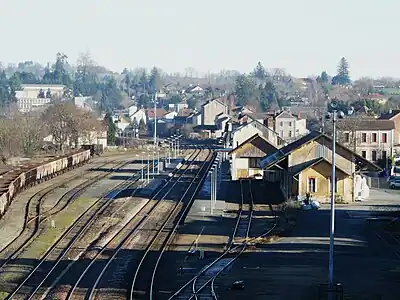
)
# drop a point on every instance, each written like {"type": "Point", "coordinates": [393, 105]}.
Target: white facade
{"type": "Point", "coordinates": [370, 144]}
{"type": "Point", "coordinates": [138, 115]}
{"type": "Point", "coordinates": [93, 137]}
{"type": "Point", "coordinates": [132, 109]}
{"type": "Point", "coordinates": [28, 104]}
{"type": "Point", "coordinates": [289, 126]}
{"type": "Point", "coordinates": [170, 116]}
{"type": "Point", "coordinates": [242, 163]}
{"type": "Point", "coordinates": [196, 119]}
{"type": "Point", "coordinates": [32, 90]}
{"type": "Point", "coordinates": [247, 130]}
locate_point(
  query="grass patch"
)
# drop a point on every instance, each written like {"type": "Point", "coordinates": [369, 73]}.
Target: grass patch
{"type": "Point", "coordinates": [3, 295]}
{"type": "Point", "coordinates": [63, 220]}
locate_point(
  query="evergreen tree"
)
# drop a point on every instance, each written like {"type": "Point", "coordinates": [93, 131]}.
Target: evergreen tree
{"type": "Point", "coordinates": [111, 129]}
{"type": "Point", "coordinates": [259, 72]}
{"type": "Point", "coordinates": [342, 77]}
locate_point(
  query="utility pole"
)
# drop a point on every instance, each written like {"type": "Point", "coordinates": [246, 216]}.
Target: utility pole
{"type": "Point", "coordinates": [331, 283]}
{"type": "Point", "coordinates": [155, 119]}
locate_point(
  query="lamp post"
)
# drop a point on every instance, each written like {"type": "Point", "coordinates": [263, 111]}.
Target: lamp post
{"type": "Point", "coordinates": [158, 161]}
{"type": "Point", "coordinates": [333, 104]}
{"type": "Point", "coordinates": [211, 189]}
{"type": "Point", "coordinates": [153, 163]}
{"type": "Point", "coordinates": [148, 167]}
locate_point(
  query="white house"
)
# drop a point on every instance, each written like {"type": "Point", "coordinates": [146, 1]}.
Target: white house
{"type": "Point", "coordinates": [93, 137]}
{"type": "Point", "coordinates": [170, 115]}
{"type": "Point", "coordinates": [243, 132]}
{"type": "Point", "coordinates": [138, 115]}
{"type": "Point", "coordinates": [196, 119]}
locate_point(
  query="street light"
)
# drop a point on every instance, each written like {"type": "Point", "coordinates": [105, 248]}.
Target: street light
{"type": "Point", "coordinates": [148, 167]}
{"type": "Point", "coordinates": [143, 153]}
{"type": "Point", "coordinates": [158, 161]}
{"type": "Point", "coordinates": [334, 115]}
{"type": "Point", "coordinates": [153, 163]}
{"type": "Point", "coordinates": [211, 189]}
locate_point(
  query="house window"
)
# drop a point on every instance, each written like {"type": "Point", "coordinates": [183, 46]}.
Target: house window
{"type": "Point", "coordinates": [312, 185]}
{"type": "Point", "coordinates": [373, 156]}
{"type": "Point", "coordinates": [281, 124]}
{"type": "Point", "coordinates": [364, 154]}
{"type": "Point", "coordinates": [290, 124]}
{"type": "Point", "coordinates": [281, 134]}
{"type": "Point", "coordinates": [290, 133]}
{"type": "Point", "coordinates": [384, 155]}
{"type": "Point", "coordinates": [330, 184]}
{"type": "Point", "coordinates": [384, 137]}
{"type": "Point", "coordinates": [364, 137]}
{"type": "Point", "coordinates": [254, 162]}
{"type": "Point", "coordinates": [347, 137]}
{"type": "Point", "coordinates": [374, 138]}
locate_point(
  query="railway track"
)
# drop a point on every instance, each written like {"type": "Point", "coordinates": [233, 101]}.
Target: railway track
{"type": "Point", "coordinates": [122, 239]}
{"type": "Point", "coordinates": [29, 286]}
{"type": "Point", "coordinates": [202, 285]}
{"type": "Point", "coordinates": [164, 235]}
{"type": "Point", "coordinates": [34, 215]}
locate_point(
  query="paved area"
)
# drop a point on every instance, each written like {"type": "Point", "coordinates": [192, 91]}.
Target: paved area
{"type": "Point", "coordinates": [293, 267]}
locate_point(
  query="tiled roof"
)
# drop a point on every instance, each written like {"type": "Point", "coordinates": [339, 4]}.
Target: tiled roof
{"type": "Point", "coordinates": [272, 159]}
{"type": "Point", "coordinates": [159, 112]}
{"type": "Point", "coordinates": [249, 140]}
{"type": "Point", "coordinates": [365, 124]}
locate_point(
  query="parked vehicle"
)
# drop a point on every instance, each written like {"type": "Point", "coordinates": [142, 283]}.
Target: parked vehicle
{"type": "Point", "coordinates": [18, 179]}
{"type": "Point", "coordinates": [394, 182]}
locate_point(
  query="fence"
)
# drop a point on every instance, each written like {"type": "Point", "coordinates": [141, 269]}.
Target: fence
{"type": "Point", "coordinates": [377, 182]}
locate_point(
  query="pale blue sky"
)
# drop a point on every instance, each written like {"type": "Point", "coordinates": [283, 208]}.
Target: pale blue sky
{"type": "Point", "coordinates": [302, 36]}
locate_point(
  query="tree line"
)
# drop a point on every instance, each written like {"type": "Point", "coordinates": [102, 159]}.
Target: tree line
{"type": "Point", "coordinates": [65, 125]}
{"type": "Point", "coordinates": [266, 90]}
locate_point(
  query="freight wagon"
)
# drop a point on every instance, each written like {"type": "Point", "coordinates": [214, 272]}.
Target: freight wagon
{"type": "Point", "coordinates": [18, 179]}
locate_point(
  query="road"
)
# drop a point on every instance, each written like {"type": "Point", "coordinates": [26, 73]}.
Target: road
{"type": "Point", "coordinates": [294, 267]}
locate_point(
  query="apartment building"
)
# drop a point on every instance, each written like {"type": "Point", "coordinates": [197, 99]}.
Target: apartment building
{"type": "Point", "coordinates": [373, 139]}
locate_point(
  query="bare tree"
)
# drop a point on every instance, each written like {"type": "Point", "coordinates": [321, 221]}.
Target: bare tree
{"type": "Point", "coordinates": [58, 119]}
{"type": "Point", "coordinates": [32, 132]}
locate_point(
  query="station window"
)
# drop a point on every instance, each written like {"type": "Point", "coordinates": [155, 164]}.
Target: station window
{"type": "Point", "coordinates": [312, 184]}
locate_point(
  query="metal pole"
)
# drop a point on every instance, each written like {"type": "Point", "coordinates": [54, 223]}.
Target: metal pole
{"type": "Point", "coordinates": [148, 168]}
{"type": "Point", "coordinates": [211, 191]}
{"type": "Point", "coordinates": [142, 167]}
{"type": "Point", "coordinates": [215, 185]}
{"type": "Point", "coordinates": [169, 153]}
{"type": "Point", "coordinates": [153, 163]}
{"type": "Point", "coordinates": [158, 161]}
{"type": "Point", "coordinates": [332, 231]}
{"type": "Point", "coordinates": [155, 119]}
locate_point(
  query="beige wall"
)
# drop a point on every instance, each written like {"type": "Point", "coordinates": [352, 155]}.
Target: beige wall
{"type": "Point", "coordinates": [356, 141]}
{"type": "Point", "coordinates": [211, 110]}
{"type": "Point", "coordinates": [322, 173]}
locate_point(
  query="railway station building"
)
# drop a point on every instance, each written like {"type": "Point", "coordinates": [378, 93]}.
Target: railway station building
{"type": "Point", "coordinates": [245, 158]}
{"type": "Point", "coordinates": [305, 165]}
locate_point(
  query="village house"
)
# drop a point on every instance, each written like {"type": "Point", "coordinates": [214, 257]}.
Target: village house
{"type": "Point", "coordinates": [157, 113]}
{"type": "Point", "coordinates": [245, 158]}
{"type": "Point", "coordinates": [194, 89]}
{"type": "Point", "coordinates": [394, 115]}
{"type": "Point", "coordinates": [243, 132]}
{"type": "Point", "coordinates": [305, 166]}
{"type": "Point", "coordinates": [373, 139]}
{"type": "Point", "coordinates": [137, 115]}
{"type": "Point", "coordinates": [210, 109]}
{"type": "Point", "coordinates": [288, 126]}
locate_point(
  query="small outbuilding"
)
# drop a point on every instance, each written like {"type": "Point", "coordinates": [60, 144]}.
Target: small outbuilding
{"type": "Point", "coordinates": [245, 158]}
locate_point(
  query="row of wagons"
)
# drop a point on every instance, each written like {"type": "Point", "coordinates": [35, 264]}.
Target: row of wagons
{"type": "Point", "coordinates": [24, 176]}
